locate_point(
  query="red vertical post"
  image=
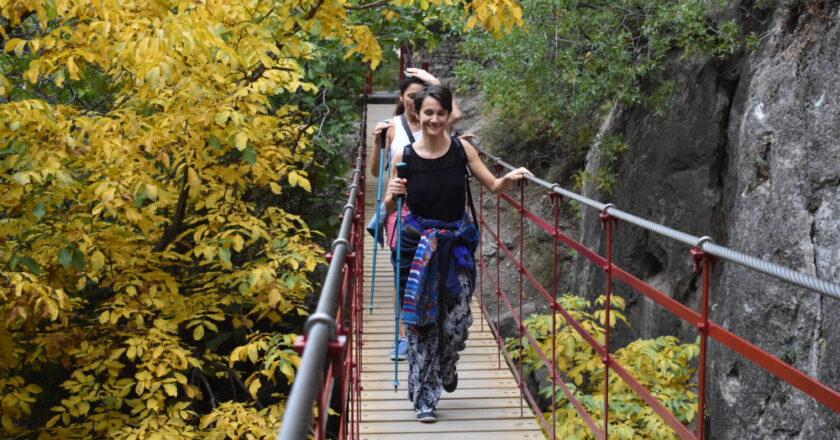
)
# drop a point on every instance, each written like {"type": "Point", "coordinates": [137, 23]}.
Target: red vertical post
{"type": "Point", "coordinates": [348, 400]}
{"type": "Point", "coordinates": [498, 169]}
{"type": "Point", "coordinates": [402, 62]}
{"type": "Point", "coordinates": [556, 235]}
{"type": "Point", "coordinates": [521, 289]}
{"type": "Point", "coordinates": [607, 222]}
{"type": "Point", "coordinates": [707, 261]}
{"type": "Point", "coordinates": [481, 244]}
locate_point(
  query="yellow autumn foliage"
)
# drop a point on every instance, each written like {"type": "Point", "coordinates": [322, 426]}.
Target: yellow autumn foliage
{"type": "Point", "coordinates": [141, 275]}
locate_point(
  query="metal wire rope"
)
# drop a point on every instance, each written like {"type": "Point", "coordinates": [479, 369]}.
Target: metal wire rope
{"type": "Point", "coordinates": [704, 244]}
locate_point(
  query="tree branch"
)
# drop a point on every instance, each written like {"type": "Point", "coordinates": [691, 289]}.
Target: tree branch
{"type": "Point", "coordinates": [370, 5]}
{"type": "Point", "coordinates": [213, 402]}
{"type": "Point", "coordinates": [233, 375]}
{"type": "Point", "coordinates": [175, 227]}
{"type": "Point", "coordinates": [314, 9]}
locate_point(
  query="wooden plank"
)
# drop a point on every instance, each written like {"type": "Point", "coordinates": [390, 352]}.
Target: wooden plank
{"type": "Point", "coordinates": [497, 435]}
{"type": "Point", "coordinates": [462, 374]}
{"type": "Point", "coordinates": [445, 403]}
{"type": "Point", "coordinates": [463, 384]}
{"type": "Point", "coordinates": [489, 391]}
{"type": "Point", "coordinates": [408, 415]}
{"type": "Point", "coordinates": [447, 424]}
{"type": "Point", "coordinates": [390, 337]}
{"type": "Point", "coordinates": [484, 342]}
{"type": "Point", "coordinates": [463, 365]}
{"type": "Point", "coordinates": [465, 357]}
{"type": "Point", "coordinates": [371, 352]}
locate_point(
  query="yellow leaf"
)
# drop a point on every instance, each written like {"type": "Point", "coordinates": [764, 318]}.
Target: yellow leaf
{"type": "Point", "coordinates": [238, 243]}
{"type": "Point", "coordinates": [97, 260]}
{"type": "Point", "coordinates": [170, 389]}
{"type": "Point", "coordinates": [13, 44]}
{"type": "Point", "coordinates": [222, 117]}
{"type": "Point", "coordinates": [275, 188]}
{"type": "Point", "coordinates": [296, 179]}
{"type": "Point", "coordinates": [254, 387]}
{"type": "Point", "coordinates": [253, 355]}
{"type": "Point", "coordinates": [72, 69]}
{"type": "Point", "coordinates": [288, 371]}
{"type": "Point", "coordinates": [198, 332]}
{"type": "Point", "coordinates": [194, 182]}
{"type": "Point", "coordinates": [240, 141]}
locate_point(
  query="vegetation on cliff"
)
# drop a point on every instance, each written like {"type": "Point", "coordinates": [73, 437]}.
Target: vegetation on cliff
{"type": "Point", "coordinates": [557, 76]}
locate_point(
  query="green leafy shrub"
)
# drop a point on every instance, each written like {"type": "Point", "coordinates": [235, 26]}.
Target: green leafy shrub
{"type": "Point", "coordinates": [558, 77]}
{"type": "Point", "coordinates": [662, 365]}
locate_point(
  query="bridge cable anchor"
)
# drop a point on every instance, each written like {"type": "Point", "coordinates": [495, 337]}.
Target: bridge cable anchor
{"type": "Point", "coordinates": [698, 254]}
{"type": "Point", "coordinates": [606, 218]}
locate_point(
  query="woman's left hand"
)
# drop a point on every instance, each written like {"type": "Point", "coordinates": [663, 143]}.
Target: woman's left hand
{"type": "Point", "coordinates": [517, 174]}
{"type": "Point", "coordinates": [422, 75]}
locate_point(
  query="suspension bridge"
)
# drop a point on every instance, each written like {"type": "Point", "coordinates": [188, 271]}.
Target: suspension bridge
{"type": "Point", "coordinates": [345, 364]}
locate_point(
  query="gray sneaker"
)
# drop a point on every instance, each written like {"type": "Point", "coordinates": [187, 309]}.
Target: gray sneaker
{"type": "Point", "coordinates": [427, 416]}
{"type": "Point", "coordinates": [401, 352]}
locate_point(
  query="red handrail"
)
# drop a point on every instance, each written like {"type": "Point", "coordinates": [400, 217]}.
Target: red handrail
{"type": "Point", "coordinates": [331, 368]}
{"type": "Point", "coordinates": [819, 391]}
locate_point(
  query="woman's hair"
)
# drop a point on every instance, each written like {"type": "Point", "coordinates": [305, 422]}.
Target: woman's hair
{"type": "Point", "coordinates": [404, 85]}
{"type": "Point", "coordinates": [439, 92]}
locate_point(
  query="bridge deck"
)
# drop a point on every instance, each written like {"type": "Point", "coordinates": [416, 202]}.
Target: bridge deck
{"type": "Point", "coordinates": [486, 404]}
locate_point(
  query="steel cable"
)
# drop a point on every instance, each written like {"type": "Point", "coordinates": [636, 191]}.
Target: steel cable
{"type": "Point", "coordinates": [704, 244]}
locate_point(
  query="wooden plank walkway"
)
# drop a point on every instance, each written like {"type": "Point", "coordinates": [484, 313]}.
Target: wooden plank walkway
{"type": "Point", "coordinates": [485, 406]}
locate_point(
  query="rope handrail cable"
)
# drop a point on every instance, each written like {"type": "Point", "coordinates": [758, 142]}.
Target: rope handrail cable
{"type": "Point", "coordinates": [704, 244]}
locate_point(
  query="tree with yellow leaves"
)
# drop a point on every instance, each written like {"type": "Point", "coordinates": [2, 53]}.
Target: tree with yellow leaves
{"type": "Point", "coordinates": [151, 153]}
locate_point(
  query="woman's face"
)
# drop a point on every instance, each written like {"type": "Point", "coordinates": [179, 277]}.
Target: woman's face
{"type": "Point", "coordinates": [407, 98]}
{"type": "Point", "coordinates": [433, 117]}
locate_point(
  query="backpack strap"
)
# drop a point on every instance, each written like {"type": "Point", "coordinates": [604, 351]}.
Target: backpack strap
{"type": "Point", "coordinates": [407, 129]}
{"type": "Point", "coordinates": [406, 152]}
{"type": "Point", "coordinates": [467, 175]}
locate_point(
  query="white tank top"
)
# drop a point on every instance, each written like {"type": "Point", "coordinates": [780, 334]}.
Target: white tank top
{"type": "Point", "coordinates": [400, 137]}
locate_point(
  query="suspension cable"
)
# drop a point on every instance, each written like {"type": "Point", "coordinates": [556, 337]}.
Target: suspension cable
{"type": "Point", "coordinates": [704, 244]}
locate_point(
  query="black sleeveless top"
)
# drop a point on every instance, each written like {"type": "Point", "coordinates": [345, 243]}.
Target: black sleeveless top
{"type": "Point", "coordinates": [436, 186]}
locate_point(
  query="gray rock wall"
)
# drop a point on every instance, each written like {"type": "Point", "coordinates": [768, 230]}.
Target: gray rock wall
{"type": "Point", "coordinates": [748, 152]}
{"type": "Point", "coordinates": [782, 204]}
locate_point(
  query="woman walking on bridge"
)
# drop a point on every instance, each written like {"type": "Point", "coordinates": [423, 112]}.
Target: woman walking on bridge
{"type": "Point", "coordinates": [440, 240]}
{"type": "Point", "coordinates": [403, 129]}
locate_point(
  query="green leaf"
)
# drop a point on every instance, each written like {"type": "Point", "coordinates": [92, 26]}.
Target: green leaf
{"type": "Point", "coordinates": [224, 254]}
{"type": "Point", "coordinates": [30, 264]}
{"type": "Point", "coordinates": [13, 261]}
{"type": "Point", "coordinates": [64, 257]}
{"type": "Point", "coordinates": [78, 259]}
{"type": "Point", "coordinates": [249, 155]}
{"type": "Point", "coordinates": [214, 142]}
{"type": "Point", "coordinates": [39, 210]}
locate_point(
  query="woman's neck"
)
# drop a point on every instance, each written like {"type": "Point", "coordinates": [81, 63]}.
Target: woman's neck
{"type": "Point", "coordinates": [413, 122]}
{"type": "Point", "coordinates": [433, 146]}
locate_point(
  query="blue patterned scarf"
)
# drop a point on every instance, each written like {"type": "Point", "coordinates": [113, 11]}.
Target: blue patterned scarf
{"type": "Point", "coordinates": [443, 248]}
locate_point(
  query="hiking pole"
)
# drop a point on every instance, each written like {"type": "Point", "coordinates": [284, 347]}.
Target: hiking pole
{"type": "Point", "coordinates": [402, 168]}
{"type": "Point", "coordinates": [382, 139]}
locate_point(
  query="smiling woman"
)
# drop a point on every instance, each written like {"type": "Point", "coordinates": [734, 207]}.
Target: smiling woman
{"type": "Point", "coordinates": [437, 246]}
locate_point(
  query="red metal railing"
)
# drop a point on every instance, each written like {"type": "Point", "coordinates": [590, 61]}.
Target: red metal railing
{"type": "Point", "coordinates": [704, 255]}
{"type": "Point", "coordinates": [329, 374]}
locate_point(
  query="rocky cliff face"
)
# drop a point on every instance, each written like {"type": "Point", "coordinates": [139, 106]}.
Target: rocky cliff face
{"type": "Point", "coordinates": [749, 153]}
